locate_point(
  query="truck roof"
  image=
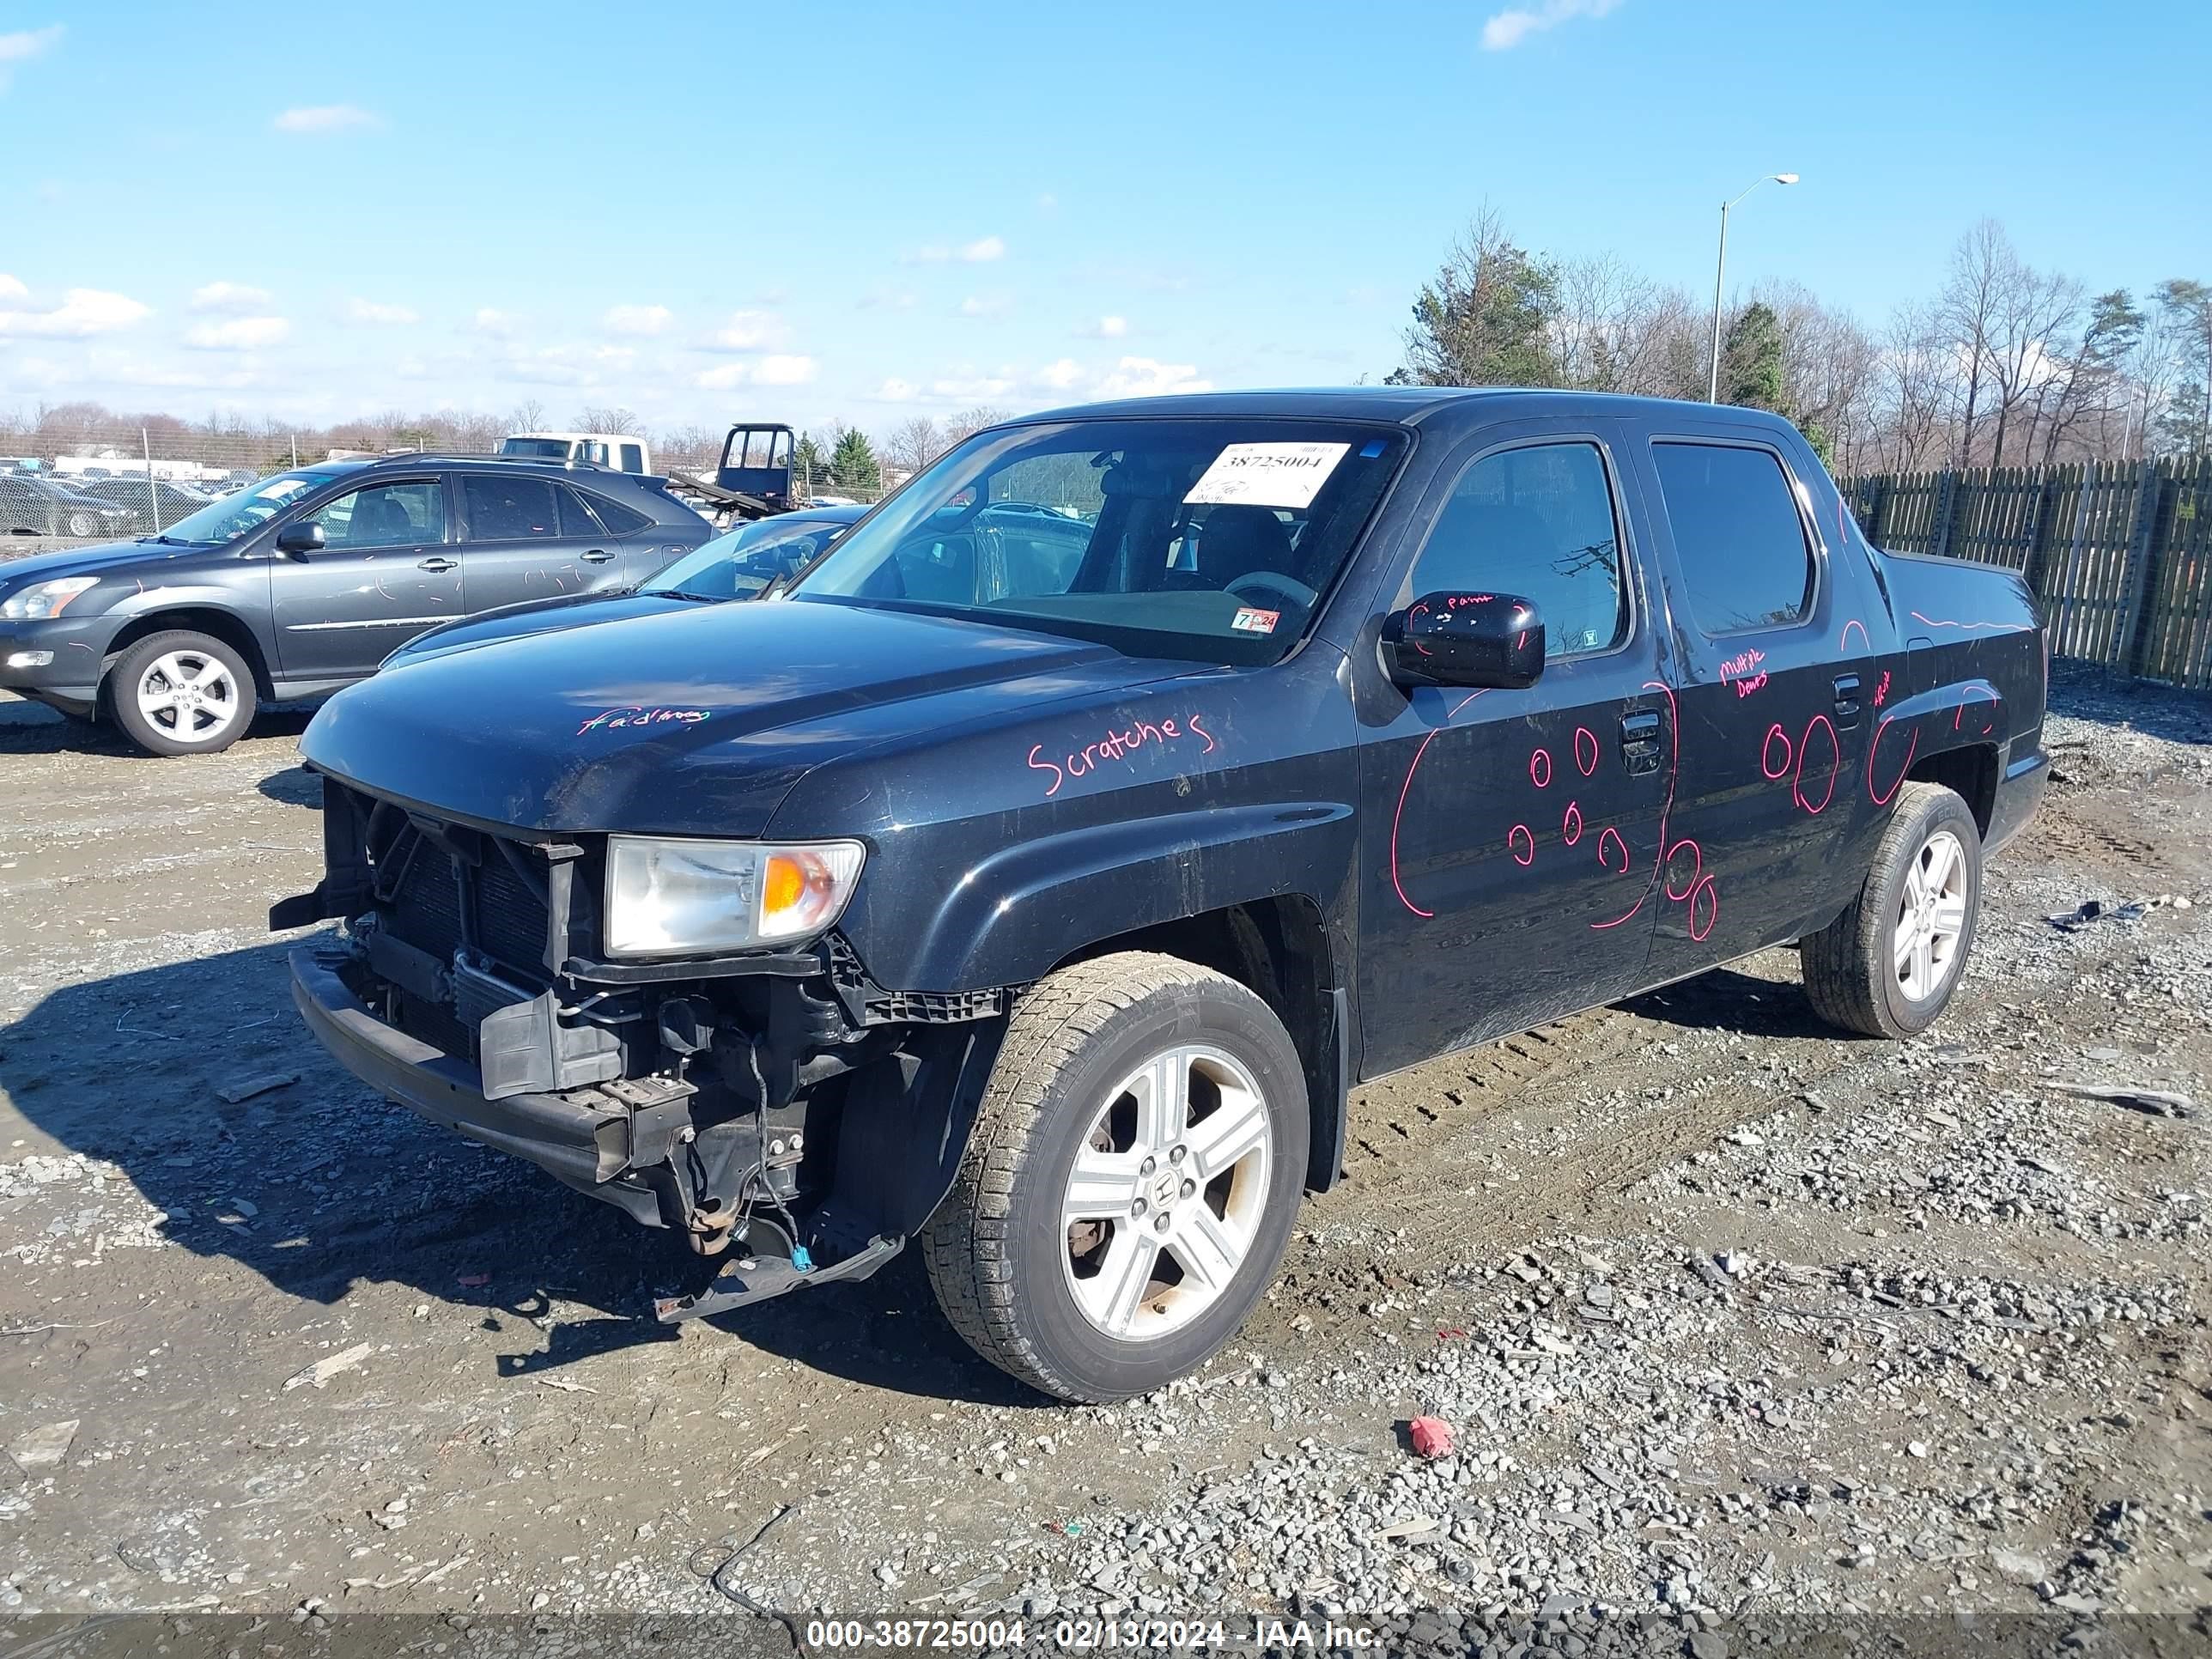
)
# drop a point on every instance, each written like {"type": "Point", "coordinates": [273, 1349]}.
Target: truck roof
{"type": "Point", "coordinates": [1403, 405]}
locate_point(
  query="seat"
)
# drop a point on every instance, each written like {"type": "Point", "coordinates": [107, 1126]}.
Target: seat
{"type": "Point", "coordinates": [378, 520]}
{"type": "Point", "coordinates": [1236, 541]}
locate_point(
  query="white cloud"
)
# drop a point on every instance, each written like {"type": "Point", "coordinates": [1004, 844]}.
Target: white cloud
{"type": "Point", "coordinates": [1508, 29]}
{"type": "Point", "coordinates": [751, 331]}
{"type": "Point", "coordinates": [238, 334]}
{"type": "Point", "coordinates": [895, 392]}
{"type": "Point", "coordinates": [786, 371]}
{"type": "Point", "coordinates": [768, 371]}
{"type": "Point", "coordinates": [968, 387]}
{"type": "Point", "coordinates": [1106, 328]}
{"type": "Point", "coordinates": [1144, 377]}
{"type": "Point", "coordinates": [368, 311]}
{"type": "Point", "coordinates": [888, 298]}
{"type": "Point", "coordinates": [982, 251]}
{"type": "Point", "coordinates": [638, 320]}
{"type": "Point", "coordinates": [980, 304]}
{"type": "Point", "coordinates": [83, 311]}
{"type": "Point", "coordinates": [324, 117]}
{"type": "Point", "coordinates": [229, 296]}
{"type": "Point", "coordinates": [490, 320]}
{"type": "Point", "coordinates": [1061, 375]}
{"type": "Point", "coordinates": [1047, 202]}
{"type": "Point", "coordinates": [24, 45]}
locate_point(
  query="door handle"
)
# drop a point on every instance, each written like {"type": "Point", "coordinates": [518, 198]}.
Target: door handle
{"type": "Point", "coordinates": [597, 556]}
{"type": "Point", "coordinates": [1640, 742]}
{"type": "Point", "coordinates": [1847, 701]}
{"type": "Point", "coordinates": [440, 563]}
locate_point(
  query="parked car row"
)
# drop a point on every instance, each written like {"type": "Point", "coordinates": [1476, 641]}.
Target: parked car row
{"type": "Point", "coordinates": [303, 582]}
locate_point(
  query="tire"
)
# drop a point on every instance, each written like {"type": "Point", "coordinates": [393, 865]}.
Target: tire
{"type": "Point", "coordinates": [82, 523]}
{"type": "Point", "coordinates": [1854, 974]}
{"type": "Point", "coordinates": [216, 701]}
{"type": "Point", "coordinates": [1043, 1296]}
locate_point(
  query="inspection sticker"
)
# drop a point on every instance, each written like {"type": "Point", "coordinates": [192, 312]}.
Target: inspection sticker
{"type": "Point", "coordinates": [1250, 621]}
{"type": "Point", "coordinates": [1268, 474]}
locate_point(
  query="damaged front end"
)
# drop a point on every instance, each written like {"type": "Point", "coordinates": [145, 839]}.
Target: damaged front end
{"type": "Point", "coordinates": [773, 1106]}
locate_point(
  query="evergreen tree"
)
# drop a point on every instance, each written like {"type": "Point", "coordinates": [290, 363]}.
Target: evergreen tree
{"type": "Point", "coordinates": [853, 461]}
{"type": "Point", "coordinates": [1751, 360]}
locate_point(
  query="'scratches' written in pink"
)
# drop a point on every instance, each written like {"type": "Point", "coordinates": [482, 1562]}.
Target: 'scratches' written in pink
{"type": "Point", "coordinates": [1121, 746]}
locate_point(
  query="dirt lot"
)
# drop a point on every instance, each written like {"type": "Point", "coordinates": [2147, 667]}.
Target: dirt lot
{"type": "Point", "coordinates": [1734, 1321]}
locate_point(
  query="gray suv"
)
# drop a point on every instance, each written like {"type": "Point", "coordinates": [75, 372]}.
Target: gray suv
{"type": "Point", "coordinates": [303, 582]}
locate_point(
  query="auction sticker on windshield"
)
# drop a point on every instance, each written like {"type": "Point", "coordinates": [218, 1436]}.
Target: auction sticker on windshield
{"type": "Point", "coordinates": [1267, 475]}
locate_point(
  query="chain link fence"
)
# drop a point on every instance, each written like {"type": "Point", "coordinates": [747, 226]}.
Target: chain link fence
{"type": "Point", "coordinates": [64, 481]}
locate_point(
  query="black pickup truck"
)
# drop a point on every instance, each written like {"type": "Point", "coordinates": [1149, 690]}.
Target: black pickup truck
{"type": "Point", "coordinates": [1035, 879]}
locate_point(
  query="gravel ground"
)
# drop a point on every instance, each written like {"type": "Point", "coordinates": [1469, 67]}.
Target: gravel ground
{"type": "Point", "coordinates": [1743, 1334]}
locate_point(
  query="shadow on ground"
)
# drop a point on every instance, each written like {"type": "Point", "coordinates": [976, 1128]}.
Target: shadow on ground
{"type": "Point", "coordinates": [350, 1190]}
{"type": "Point", "coordinates": [32, 728]}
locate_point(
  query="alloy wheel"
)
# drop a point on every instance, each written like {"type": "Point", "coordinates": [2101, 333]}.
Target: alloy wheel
{"type": "Point", "coordinates": [1931, 917]}
{"type": "Point", "coordinates": [188, 695]}
{"type": "Point", "coordinates": [1164, 1198]}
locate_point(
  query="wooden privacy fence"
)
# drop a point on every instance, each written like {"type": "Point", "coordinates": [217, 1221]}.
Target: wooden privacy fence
{"type": "Point", "coordinates": [2120, 553]}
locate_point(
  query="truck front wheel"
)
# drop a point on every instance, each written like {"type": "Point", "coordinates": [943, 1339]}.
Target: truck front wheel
{"type": "Point", "coordinates": [1888, 966]}
{"type": "Point", "coordinates": [1131, 1180]}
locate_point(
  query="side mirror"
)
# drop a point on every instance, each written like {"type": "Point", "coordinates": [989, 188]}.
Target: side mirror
{"type": "Point", "coordinates": [1466, 639]}
{"type": "Point", "coordinates": [305, 537]}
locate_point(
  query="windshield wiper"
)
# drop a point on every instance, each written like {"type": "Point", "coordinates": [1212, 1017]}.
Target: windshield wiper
{"type": "Point", "coordinates": [166, 541]}
{"type": "Point", "coordinates": [684, 593]}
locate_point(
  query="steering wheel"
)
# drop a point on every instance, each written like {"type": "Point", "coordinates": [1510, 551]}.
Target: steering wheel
{"type": "Point", "coordinates": [1274, 582]}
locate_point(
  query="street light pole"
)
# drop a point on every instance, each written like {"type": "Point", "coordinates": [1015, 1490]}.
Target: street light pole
{"type": "Point", "coordinates": [1720, 277]}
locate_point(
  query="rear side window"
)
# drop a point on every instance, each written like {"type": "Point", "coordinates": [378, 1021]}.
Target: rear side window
{"type": "Point", "coordinates": [508, 509]}
{"type": "Point", "coordinates": [1738, 537]}
{"type": "Point", "coordinates": [576, 517]}
{"type": "Point", "coordinates": [632, 458]}
{"type": "Point", "coordinates": [619, 520]}
{"type": "Point", "coordinates": [1537, 523]}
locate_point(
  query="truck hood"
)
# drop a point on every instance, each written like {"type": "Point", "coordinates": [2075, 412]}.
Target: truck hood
{"type": "Point", "coordinates": [694, 723]}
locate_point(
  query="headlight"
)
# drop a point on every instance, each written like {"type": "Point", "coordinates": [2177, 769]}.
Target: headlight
{"type": "Point", "coordinates": [681, 898]}
{"type": "Point", "coordinates": [43, 599]}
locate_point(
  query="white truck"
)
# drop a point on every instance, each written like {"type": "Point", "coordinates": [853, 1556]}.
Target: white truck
{"type": "Point", "coordinates": [623, 452]}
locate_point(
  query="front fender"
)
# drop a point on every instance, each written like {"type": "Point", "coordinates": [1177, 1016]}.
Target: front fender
{"type": "Point", "coordinates": [1030, 905]}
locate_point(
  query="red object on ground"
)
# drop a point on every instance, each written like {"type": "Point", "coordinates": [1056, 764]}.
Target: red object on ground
{"type": "Point", "coordinates": [1433, 1437]}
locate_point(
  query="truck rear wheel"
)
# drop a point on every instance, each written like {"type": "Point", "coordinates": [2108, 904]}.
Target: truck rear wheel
{"type": "Point", "coordinates": [1130, 1182]}
{"type": "Point", "coordinates": [1888, 966]}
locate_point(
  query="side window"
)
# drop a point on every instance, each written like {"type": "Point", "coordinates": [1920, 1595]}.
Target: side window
{"type": "Point", "coordinates": [1538, 523]}
{"type": "Point", "coordinates": [632, 458]}
{"type": "Point", "coordinates": [619, 520]}
{"type": "Point", "coordinates": [1738, 537]}
{"type": "Point", "coordinates": [576, 517]}
{"type": "Point", "coordinates": [508, 509]}
{"type": "Point", "coordinates": [385, 515]}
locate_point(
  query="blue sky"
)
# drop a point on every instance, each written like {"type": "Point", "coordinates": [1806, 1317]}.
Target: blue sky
{"type": "Point", "coordinates": [867, 211]}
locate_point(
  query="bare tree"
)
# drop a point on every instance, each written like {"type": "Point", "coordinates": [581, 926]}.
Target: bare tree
{"type": "Point", "coordinates": [528, 415]}
{"type": "Point", "coordinates": [1917, 378]}
{"type": "Point", "coordinates": [617, 422]}
{"type": "Point", "coordinates": [2034, 311]}
{"type": "Point", "coordinates": [913, 445]}
{"type": "Point", "coordinates": [1966, 314]}
{"type": "Point", "coordinates": [971, 421]}
{"type": "Point", "coordinates": [1614, 330]}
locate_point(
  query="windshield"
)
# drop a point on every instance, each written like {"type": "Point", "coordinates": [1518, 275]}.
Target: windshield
{"type": "Point", "coordinates": [542, 449]}
{"type": "Point", "coordinates": [1210, 539]}
{"type": "Point", "coordinates": [740, 564]}
{"type": "Point", "coordinates": [227, 520]}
